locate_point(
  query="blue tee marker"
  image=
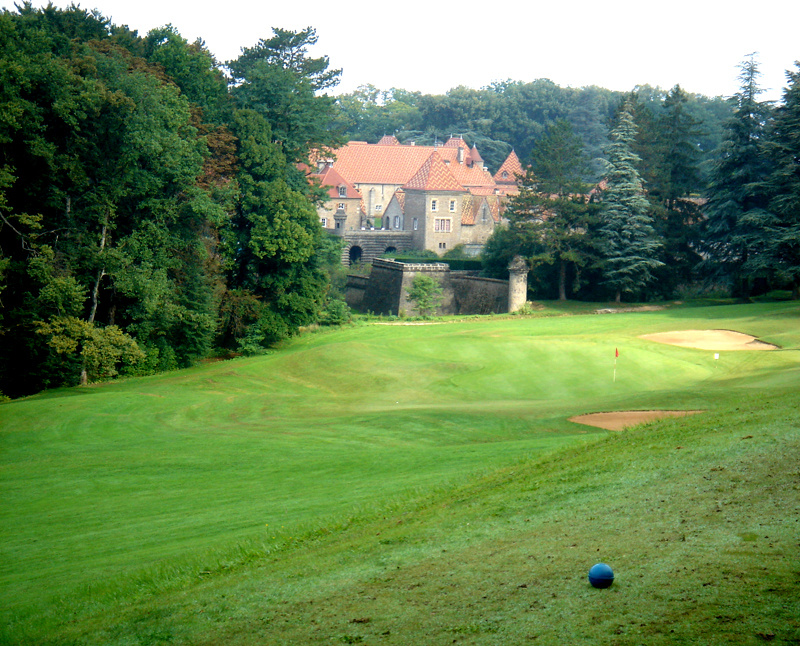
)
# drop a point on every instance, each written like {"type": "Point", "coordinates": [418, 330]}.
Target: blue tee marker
{"type": "Point", "coordinates": [601, 576]}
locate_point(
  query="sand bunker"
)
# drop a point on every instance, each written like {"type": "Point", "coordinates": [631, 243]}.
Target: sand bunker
{"type": "Point", "coordinates": [620, 420]}
{"type": "Point", "coordinates": [710, 340]}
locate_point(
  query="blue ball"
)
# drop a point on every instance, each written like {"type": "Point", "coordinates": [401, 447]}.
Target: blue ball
{"type": "Point", "coordinates": [601, 576]}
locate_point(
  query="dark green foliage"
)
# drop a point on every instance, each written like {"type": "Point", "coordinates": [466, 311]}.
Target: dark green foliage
{"type": "Point", "coordinates": [463, 264]}
{"type": "Point", "coordinates": [280, 82]}
{"type": "Point", "coordinates": [425, 293]}
{"type": "Point", "coordinates": [558, 161]}
{"type": "Point", "coordinates": [496, 119]}
{"type": "Point", "coordinates": [336, 312]}
{"type": "Point", "coordinates": [629, 245]}
{"type": "Point", "coordinates": [193, 69]}
{"type": "Point", "coordinates": [270, 242]}
{"type": "Point", "coordinates": [108, 218]}
{"type": "Point", "coordinates": [552, 219]}
{"type": "Point", "coordinates": [782, 224]}
{"type": "Point", "coordinates": [737, 197]}
{"type": "Point", "coordinates": [667, 143]}
{"type": "Point", "coordinates": [126, 199]}
{"type": "Point", "coordinates": [367, 114]}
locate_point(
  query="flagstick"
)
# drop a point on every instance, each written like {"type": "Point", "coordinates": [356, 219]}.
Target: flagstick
{"type": "Point", "coordinates": [615, 370]}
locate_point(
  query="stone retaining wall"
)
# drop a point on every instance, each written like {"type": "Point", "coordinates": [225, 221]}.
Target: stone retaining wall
{"type": "Point", "coordinates": [386, 290]}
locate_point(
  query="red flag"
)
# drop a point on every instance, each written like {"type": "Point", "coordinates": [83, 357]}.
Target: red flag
{"type": "Point", "coordinates": [616, 352]}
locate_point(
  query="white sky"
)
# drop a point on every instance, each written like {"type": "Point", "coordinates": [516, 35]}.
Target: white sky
{"type": "Point", "coordinates": [432, 46]}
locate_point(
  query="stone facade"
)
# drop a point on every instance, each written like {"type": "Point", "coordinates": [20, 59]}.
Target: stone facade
{"type": "Point", "coordinates": [366, 246]}
{"type": "Point", "coordinates": [443, 196]}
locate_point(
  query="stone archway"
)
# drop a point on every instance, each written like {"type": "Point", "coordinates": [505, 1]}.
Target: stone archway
{"type": "Point", "coordinates": [355, 254]}
{"type": "Point", "coordinates": [390, 249]}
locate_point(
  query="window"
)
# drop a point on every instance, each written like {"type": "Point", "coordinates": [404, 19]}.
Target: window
{"type": "Point", "coordinates": [342, 191]}
{"type": "Point", "coordinates": [434, 205]}
{"type": "Point", "coordinates": [452, 206]}
{"type": "Point", "coordinates": [505, 175]}
{"type": "Point", "coordinates": [442, 245]}
{"type": "Point", "coordinates": [324, 222]}
{"type": "Point", "coordinates": [441, 225]}
{"type": "Point", "coordinates": [396, 221]}
{"type": "Point", "coordinates": [416, 224]}
{"type": "Point", "coordinates": [340, 206]}
{"type": "Point", "coordinates": [378, 208]}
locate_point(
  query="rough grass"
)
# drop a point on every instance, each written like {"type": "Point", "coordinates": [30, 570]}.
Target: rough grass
{"type": "Point", "coordinates": [415, 485]}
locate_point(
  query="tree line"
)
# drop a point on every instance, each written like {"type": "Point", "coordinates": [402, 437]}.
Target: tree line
{"type": "Point", "coordinates": [665, 222]}
{"type": "Point", "coordinates": [154, 211]}
{"type": "Point", "coordinates": [151, 207]}
{"type": "Point", "coordinates": [698, 193]}
{"type": "Point", "coordinates": [515, 114]}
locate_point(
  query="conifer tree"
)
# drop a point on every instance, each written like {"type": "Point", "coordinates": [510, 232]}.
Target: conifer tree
{"type": "Point", "coordinates": [783, 187]}
{"type": "Point", "coordinates": [629, 244]}
{"type": "Point", "coordinates": [737, 197]}
{"type": "Point", "coordinates": [552, 206]}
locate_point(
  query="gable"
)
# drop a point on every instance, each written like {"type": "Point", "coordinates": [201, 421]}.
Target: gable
{"type": "Point", "coordinates": [433, 175]}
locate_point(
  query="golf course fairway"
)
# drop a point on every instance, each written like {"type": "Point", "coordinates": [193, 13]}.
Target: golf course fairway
{"type": "Point", "coordinates": [418, 484]}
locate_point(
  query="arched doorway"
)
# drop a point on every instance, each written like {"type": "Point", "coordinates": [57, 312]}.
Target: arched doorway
{"type": "Point", "coordinates": [355, 254]}
{"type": "Point", "coordinates": [390, 250]}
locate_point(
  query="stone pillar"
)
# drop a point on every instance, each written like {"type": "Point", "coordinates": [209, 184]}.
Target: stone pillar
{"type": "Point", "coordinates": [517, 283]}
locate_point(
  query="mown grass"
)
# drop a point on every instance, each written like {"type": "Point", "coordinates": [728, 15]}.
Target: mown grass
{"type": "Point", "coordinates": [414, 485]}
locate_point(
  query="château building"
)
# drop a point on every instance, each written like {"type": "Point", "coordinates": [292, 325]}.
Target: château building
{"type": "Point", "coordinates": [392, 197]}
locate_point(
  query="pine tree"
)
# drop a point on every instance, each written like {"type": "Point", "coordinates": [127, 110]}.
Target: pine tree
{"type": "Point", "coordinates": [783, 186]}
{"type": "Point", "coordinates": [737, 197]}
{"type": "Point", "coordinates": [676, 216]}
{"type": "Point", "coordinates": [553, 205]}
{"type": "Point", "coordinates": [629, 243]}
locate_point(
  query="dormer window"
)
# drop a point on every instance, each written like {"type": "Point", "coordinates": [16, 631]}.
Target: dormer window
{"type": "Point", "coordinates": [342, 191]}
{"type": "Point", "coordinates": [505, 174]}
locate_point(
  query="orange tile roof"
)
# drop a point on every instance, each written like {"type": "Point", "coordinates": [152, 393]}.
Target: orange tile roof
{"type": "Point", "coordinates": [363, 163]}
{"type": "Point", "coordinates": [484, 190]}
{"type": "Point", "coordinates": [371, 164]}
{"type": "Point", "coordinates": [456, 142]}
{"type": "Point", "coordinates": [328, 177]}
{"type": "Point", "coordinates": [468, 207]}
{"type": "Point", "coordinates": [471, 176]}
{"type": "Point", "coordinates": [388, 140]}
{"type": "Point", "coordinates": [472, 205]}
{"type": "Point", "coordinates": [400, 196]}
{"type": "Point", "coordinates": [475, 156]}
{"type": "Point", "coordinates": [433, 175]}
{"type": "Point", "coordinates": [512, 167]}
